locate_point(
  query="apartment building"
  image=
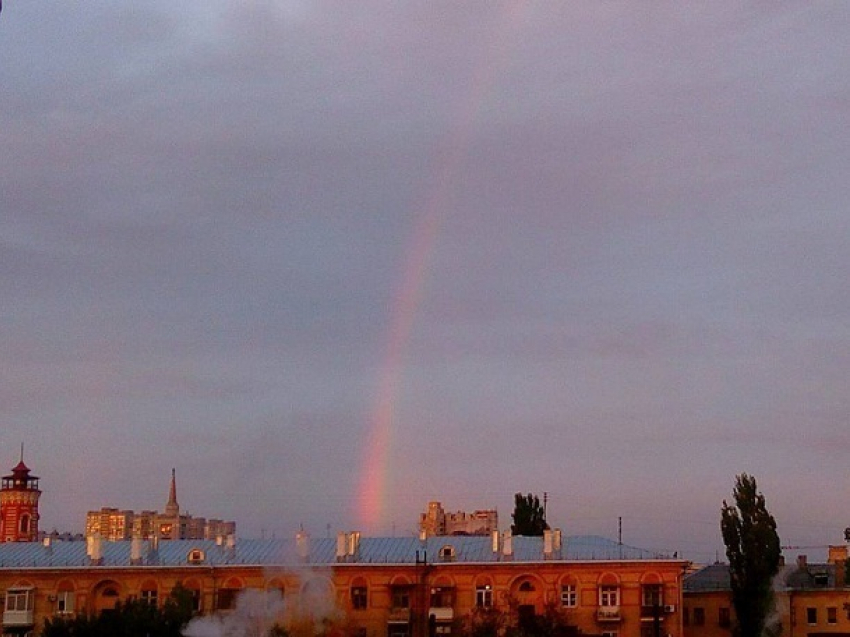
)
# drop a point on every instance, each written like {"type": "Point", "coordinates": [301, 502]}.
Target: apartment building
{"type": "Point", "coordinates": [811, 599]}
{"type": "Point", "coordinates": [373, 587]}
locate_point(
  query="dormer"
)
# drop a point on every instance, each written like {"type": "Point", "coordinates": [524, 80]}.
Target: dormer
{"type": "Point", "coordinates": [196, 556]}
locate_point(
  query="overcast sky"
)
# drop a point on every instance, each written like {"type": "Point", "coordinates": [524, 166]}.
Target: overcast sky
{"type": "Point", "coordinates": [332, 260]}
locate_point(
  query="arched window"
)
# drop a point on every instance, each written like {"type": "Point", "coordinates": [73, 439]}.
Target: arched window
{"type": "Point", "coordinates": [484, 593]}
{"type": "Point", "coordinates": [24, 525]}
{"type": "Point", "coordinates": [359, 594]}
{"type": "Point", "coordinates": [526, 586]}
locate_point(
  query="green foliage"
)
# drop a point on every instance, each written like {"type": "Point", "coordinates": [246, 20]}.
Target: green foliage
{"type": "Point", "coordinates": [133, 618]}
{"type": "Point", "coordinates": [508, 621]}
{"type": "Point", "coordinates": [529, 516]}
{"type": "Point", "coordinates": [484, 622]}
{"type": "Point", "coordinates": [754, 553]}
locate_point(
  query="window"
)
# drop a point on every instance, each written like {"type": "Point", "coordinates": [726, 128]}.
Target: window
{"type": "Point", "coordinates": [484, 596]}
{"type": "Point", "coordinates": [65, 602]}
{"type": "Point", "coordinates": [227, 598]}
{"type": "Point", "coordinates": [723, 617]}
{"type": "Point", "coordinates": [526, 587]}
{"type": "Point", "coordinates": [149, 597]}
{"type": "Point", "coordinates": [358, 597]}
{"type": "Point", "coordinates": [400, 597]}
{"type": "Point", "coordinates": [19, 599]}
{"type": "Point", "coordinates": [25, 524]}
{"type": "Point", "coordinates": [610, 633]}
{"type": "Point", "coordinates": [196, 556]}
{"type": "Point", "coordinates": [609, 596]}
{"type": "Point", "coordinates": [832, 615]}
{"type": "Point", "coordinates": [569, 596]}
{"type": "Point", "coordinates": [812, 616]}
{"type": "Point", "coordinates": [652, 595]}
{"type": "Point", "coordinates": [699, 616]}
{"type": "Point", "coordinates": [442, 597]}
{"type": "Point", "coordinates": [447, 553]}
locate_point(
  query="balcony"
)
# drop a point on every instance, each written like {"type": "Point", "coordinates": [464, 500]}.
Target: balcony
{"type": "Point", "coordinates": [399, 616]}
{"type": "Point", "coordinates": [608, 614]}
{"type": "Point", "coordinates": [441, 613]}
{"type": "Point", "coordinates": [648, 613]}
{"type": "Point", "coordinates": [18, 618]}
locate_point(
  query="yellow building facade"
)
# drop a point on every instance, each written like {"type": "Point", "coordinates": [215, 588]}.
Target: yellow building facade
{"type": "Point", "coordinates": [368, 587]}
{"type": "Point", "coordinates": [811, 600]}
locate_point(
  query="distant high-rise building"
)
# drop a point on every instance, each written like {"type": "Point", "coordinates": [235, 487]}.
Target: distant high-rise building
{"type": "Point", "coordinates": [435, 521]}
{"type": "Point", "coordinates": [19, 496]}
{"type": "Point", "coordinates": [112, 524]}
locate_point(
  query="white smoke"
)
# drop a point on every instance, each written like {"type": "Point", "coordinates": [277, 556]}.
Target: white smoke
{"type": "Point", "coordinates": [255, 615]}
{"type": "Point", "coordinates": [258, 613]}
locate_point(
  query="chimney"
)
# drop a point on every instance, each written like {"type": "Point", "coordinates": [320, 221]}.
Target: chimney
{"type": "Point", "coordinates": [48, 545]}
{"type": "Point", "coordinates": [801, 562]}
{"type": "Point", "coordinates": [94, 548]}
{"type": "Point", "coordinates": [423, 535]}
{"type": "Point", "coordinates": [136, 550]}
{"type": "Point", "coordinates": [354, 543]}
{"type": "Point", "coordinates": [302, 546]}
{"type": "Point", "coordinates": [548, 544]}
{"type": "Point", "coordinates": [507, 545]}
{"type": "Point", "coordinates": [341, 546]}
{"type": "Point", "coordinates": [494, 540]}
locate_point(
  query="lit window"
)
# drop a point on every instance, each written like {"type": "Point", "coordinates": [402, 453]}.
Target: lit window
{"type": "Point", "coordinates": [569, 596]}
{"type": "Point", "coordinates": [484, 596]}
{"type": "Point", "coordinates": [358, 597]}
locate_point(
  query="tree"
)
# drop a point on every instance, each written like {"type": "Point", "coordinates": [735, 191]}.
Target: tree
{"type": "Point", "coordinates": [754, 553]}
{"type": "Point", "coordinates": [529, 515]}
{"type": "Point", "coordinates": [133, 618]}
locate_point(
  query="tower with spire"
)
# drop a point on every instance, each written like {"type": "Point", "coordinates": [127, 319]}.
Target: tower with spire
{"type": "Point", "coordinates": [19, 496]}
{"type": "Point", "coordinates": [172, 509]}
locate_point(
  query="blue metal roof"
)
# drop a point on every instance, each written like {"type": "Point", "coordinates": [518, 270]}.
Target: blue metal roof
{"type": "Point", "coordinates": [263, 552]}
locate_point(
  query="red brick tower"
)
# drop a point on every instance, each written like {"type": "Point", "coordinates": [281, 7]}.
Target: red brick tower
{"type": "Point", "coordinates": [19, 505]}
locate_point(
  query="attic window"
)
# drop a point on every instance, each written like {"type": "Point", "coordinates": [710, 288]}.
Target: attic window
{"type": "Point", "coordinates": [821, 579]}
{"type": "Point", "coordinates": [447, 552]}
{"type": "Point", "coordinates": [196, 556]}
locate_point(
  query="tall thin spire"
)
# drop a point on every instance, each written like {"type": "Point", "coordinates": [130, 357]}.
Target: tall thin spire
{"type": "Point", "coordinates": [172, 508]}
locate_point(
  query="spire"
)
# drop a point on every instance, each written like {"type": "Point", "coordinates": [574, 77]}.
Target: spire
{"type": "Point", "coordinates": [172, 508]}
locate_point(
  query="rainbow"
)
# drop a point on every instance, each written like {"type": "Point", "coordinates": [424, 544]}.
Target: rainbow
{"type": "Point", "coordinates": [450, 159]}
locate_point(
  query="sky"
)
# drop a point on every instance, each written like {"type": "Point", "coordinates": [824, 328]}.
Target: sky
{"type": "Point", "coordinates": [333, 260]}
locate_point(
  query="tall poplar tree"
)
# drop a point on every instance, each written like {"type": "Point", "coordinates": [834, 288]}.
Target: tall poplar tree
{"type": "Point", "coordinates": [529, 515]}
{"type": "Point", "coordinates": [754, 553]}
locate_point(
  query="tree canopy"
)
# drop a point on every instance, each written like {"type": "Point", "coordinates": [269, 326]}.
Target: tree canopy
{"type": "Point", "coordinates": [529, 515]}
{"type": "Point", "coordinates": [133, 618]}
{"type": "Point", "coordinates": [754, 553]}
